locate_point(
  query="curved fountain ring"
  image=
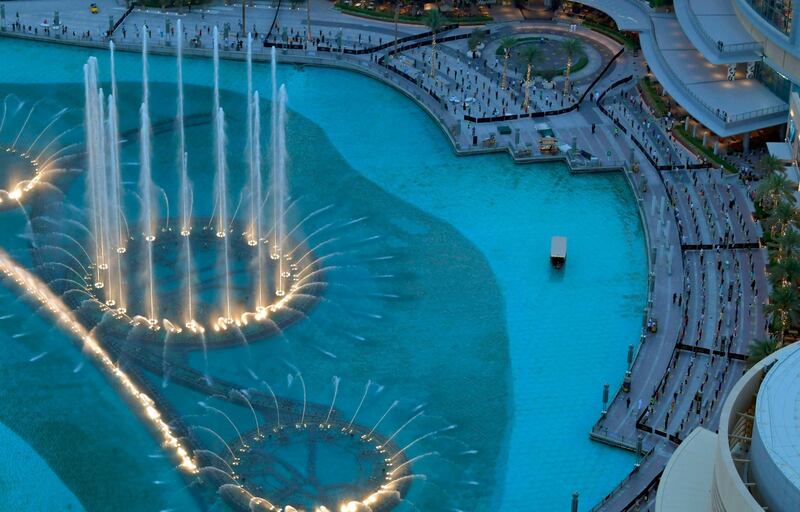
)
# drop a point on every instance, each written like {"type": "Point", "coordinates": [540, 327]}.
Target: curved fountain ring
{"type": "Point", "coordinates": [12, 198]}
{"type": "Point", "coordinates": [382, 488]}
{"type": "Point", "coordinates": [250, 322]}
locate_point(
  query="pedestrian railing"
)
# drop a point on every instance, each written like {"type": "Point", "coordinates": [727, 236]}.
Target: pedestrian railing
{"type": "Point", "coordinates": [730, 48]}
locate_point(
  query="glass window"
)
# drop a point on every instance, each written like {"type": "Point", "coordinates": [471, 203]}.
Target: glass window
{"type": "Point", "coordinates": [777, 12]}
{"type": "Point", "coordinates": [774, 81]}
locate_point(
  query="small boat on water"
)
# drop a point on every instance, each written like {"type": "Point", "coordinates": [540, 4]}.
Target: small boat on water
{"type": "Point", "coordinates": [558, 251]}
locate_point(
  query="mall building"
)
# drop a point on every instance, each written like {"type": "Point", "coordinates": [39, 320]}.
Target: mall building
{"type": "Point", "coordinates": [753, 462]}
{"type": "Point", "coordinates": [733, 65]}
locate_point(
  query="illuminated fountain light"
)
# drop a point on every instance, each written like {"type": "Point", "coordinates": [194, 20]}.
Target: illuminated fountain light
{"type": "Point", "coordinates": [30, 151]}
{"type": "Point", "coordinates": [246, 489]}
{"type": "Point", "coordinates": [246, 315]}
{"type": "Point", "coordinates": [31, 285]}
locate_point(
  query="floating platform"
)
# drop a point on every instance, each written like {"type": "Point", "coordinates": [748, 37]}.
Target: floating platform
{"type": "Point", "coordinates": [558, 251]}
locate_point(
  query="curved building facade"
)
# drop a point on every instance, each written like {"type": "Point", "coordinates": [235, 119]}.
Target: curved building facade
{"type": "Point", "coordinates": [753, 462]}
{"type": "Point", "coordinates": [732, 64]}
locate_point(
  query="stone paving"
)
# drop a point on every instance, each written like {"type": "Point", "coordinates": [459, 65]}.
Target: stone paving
{"type": "Point", "coordinates": [707, 271]}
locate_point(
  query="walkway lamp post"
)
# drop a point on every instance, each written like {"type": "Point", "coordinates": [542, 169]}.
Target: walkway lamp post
{"type": "Point", "coordinates": [575, 501]}
{"type": "Point", "coordinates": [396, 19]}
{"type": "Point", "coordinates": [308, 24]}
{"type": "Point", "coordinates": [605, 400]}
{"type": "Point", "coordinates": [639, 451]}
{"type": "Point", "coordinates": [3, 17]}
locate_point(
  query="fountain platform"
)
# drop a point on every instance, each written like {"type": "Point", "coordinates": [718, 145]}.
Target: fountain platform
{"type": "Point", "coordinates": [209, 324]}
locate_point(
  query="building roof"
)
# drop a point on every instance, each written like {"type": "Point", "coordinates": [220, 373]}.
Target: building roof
{"type": "Point", "coordinates": [686, 481]}
{"type": "Point", "coordinates": [715, 30]}
{"type": "Point", "coordinates": [702, 87]}
{"type": "Point", "coordinates": [778, 416]}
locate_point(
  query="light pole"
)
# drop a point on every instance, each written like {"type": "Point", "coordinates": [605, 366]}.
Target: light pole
{"type": "Point", "coordinates": [396, 18]}
{"type": "Point", "coordinates": [244, 18]}
{"type": "Point", "coordinates": [308, 23]}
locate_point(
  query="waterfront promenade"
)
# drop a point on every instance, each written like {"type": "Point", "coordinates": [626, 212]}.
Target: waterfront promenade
{"type": "Point", "coordinates": [707, 279]}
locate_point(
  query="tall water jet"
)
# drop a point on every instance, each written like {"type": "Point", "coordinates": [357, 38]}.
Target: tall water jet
{"type": "Point", "coordinates": [102, 180]}
{"type": "Point", "coordinates": [185, 193]}
{"type": "Point", "coordinates": [145, 68]}
{"type": "Point", "coordinates": [118, 238]}
{"type": "Point", "coordinates": [255, 234]}
{"type": "Point", "coordinates": [147, 221]}
{"type": "Point", "coordinates": [146, 185]}
{"type": "Point", "coordinates": [115, 213]}
{"type": "Point", "coordinates": [215, 53]}
{"type": "Point", "coordinates": [94, 150]}
{"type": "Point", "coordinates": [258, 193]}
{"type": "Point", "coordinates": [222, 205]}
{"type": "Point", "coordinates": [278, 186]}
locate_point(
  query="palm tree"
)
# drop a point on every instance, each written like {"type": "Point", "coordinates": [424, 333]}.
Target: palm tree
{"type": "Point", "coordinates": [529, 55]}
{"type": "Point", "coordinates": [475, 40]}
{"type": "Point", "coordinates": [783, 308]}
{"type": "Point", "coordinates": [760, 349]}
{"type": "Point", "coordinates": [571, 47]}
{"type": "Point", "coordinates": [782, 218]}
{"type": "Point", "coordinates": [787, 245]}
{"type": "Point", "coordinates": [784, 272]}
{"type": "Point", "coordinates": [506, 44]}
{"type": "Point", "coordinates": [434, 20]}
{"type": "Point", "coordinates": [770, 165]}
{"type": "Point", "coordinates": [773, 188]}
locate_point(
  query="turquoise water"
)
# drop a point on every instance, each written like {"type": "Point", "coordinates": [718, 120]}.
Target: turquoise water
{"type": "Point", "coordinates": [479, 328]}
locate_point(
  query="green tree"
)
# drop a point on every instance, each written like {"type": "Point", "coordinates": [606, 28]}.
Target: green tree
{"type": "Point", "coordinates": [782, 218]}
{"type": "Point", "coordinates": [772, 189]}
{"type": "Point", "coordinates": [434, 21]}
{"type": "Point", "coordinates": [529, 55]}
{"type": "Point", "coordinates": [786, 245]}
{"type": "Point", "coordinates": [783, 309]}
{"type": "Point", "coordinates": [475, 39]}
{"type": "Point", "coordinates": [770, 165]}
{"type": "Point", "coordinates": [760, 349]}
{"type": "Point", "coordinates": [784, 272]}
{"type": "Point", "coordinates": [571, 47]}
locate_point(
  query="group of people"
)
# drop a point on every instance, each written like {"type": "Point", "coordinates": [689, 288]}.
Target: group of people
{"type": "Point", "coordinates": [718, 281]}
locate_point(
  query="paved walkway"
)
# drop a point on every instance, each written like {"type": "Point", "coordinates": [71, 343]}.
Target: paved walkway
{"type": "Point", "coordinates": [709, 284]}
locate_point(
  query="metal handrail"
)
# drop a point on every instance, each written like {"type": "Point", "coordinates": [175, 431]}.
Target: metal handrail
{"type": "Point", "coordinates": [725, 47]}
{"type": "Point", "coordinates": [725, 118]}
